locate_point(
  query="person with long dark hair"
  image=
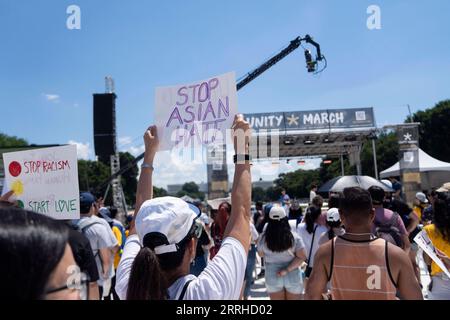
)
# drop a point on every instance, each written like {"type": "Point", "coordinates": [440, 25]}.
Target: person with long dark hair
{"type": "Point", "coordinates": [283, 252]}
{"type": "Point", "coordinates": [37, 262]}
{"type": "Point", "coordinates": [439, 234]}
{"type": "Point", "coordinates": [334, 225]}
{"type": "Point", "coordinates": [310, 231]}
{"type": "Point", "coordinates": [161, 245]}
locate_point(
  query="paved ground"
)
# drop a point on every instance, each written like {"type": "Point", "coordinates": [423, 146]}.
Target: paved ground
{"type": "Point", "coordinates": [258, 289]}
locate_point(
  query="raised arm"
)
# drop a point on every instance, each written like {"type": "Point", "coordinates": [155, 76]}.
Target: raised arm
{"type": "Point", "coordinates": [238, 225]}
{"type": "Point", "coordinates": [145, 185]}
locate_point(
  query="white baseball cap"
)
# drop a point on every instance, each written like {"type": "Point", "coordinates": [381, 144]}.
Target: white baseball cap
{"type": "Point", "coordinates": [387, 182]}
{"type": "Point", "coordinates": [169, 216]}
{"type": "Point", "coordinates": [444, 188]}
{"type": "Point", "coordinates": [277, 213]}
{"type": "Point", "coordinates": [333, 215]}
{"type": "Point", "coordinates": [421, 197]}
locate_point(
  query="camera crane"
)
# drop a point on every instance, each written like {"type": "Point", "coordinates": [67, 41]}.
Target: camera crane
{"type": "Point", "coordinates": [311, 65]}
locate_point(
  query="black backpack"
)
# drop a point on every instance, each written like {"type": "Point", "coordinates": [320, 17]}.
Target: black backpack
{"type": "Point", "coordinates": [389, 231]}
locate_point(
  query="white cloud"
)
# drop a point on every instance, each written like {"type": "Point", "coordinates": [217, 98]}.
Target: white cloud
{"type": "Point", "coordinates": [51, 97]}
{"type": "Point", "coordinates": [123, 141]}
{"type": "Point", "coordinates": [83, 149]}
{"type": "Point", "coordinates": [170, 169]}
{"type": "Point", "coordinates": [135, 151]}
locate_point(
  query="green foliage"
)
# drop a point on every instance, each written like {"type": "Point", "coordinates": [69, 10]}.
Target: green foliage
{"type": "Point", "coordinates": [298, 183]}
{"type": "Point", "coordinates": [258, 194]}
{"type": "Point", "coordinates": [129, 177]}
{"type": "Point", "coordinates": [387, 153]}
{"type": "Point", "coordinates": [434, 130]}
{"type": "Point", "coordinates": [91, 174]}
{"type": "Point", "coordinates": [159, 192]}
{"type": "Point", "coordinates": [11, 141]}
{"type": "Point", "coordinates": [191, 189]}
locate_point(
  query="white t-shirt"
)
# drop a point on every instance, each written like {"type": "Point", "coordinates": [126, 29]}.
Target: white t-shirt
{"type": "Point", "coordinates": [222, 278]}
{"type": "Point", "coordinates": [254, 233]}
{"type": "Point", "coordinates": [280, 257]}
{"type": "Point", "coordinates": [100, 236]}
{"type": "Point", "coordinates": [312, 194]}
{"type": "Point", "coordinates": [307, 238]}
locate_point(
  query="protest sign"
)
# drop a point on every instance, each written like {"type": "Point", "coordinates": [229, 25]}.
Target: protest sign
{"type": "Point", "coordinates": [426, 245]}
{"type": "Point", "coordinates": [196, 114]}
{"type": "Point", "coordinates": [45, 180]}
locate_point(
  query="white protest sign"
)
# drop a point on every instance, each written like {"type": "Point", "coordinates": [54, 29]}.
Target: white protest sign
{"type": "Point", "coordinates": [45, 180]}
{"type": "Point", "coordinates": [425, 243]}
{"type": "Point", "coordinates": [196, 114]}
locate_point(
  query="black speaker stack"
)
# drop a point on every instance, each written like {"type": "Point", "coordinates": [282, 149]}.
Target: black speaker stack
{"type": "Point", "coordinates": [105, 125]}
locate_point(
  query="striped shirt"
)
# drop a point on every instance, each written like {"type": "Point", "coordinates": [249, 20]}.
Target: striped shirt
{"type": "Point", "coordinates": [360, 270]}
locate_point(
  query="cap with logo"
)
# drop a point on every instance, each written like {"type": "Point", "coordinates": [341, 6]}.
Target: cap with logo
{"type": "Point", "coordinates": [421, 197]}
{"type": "Point", "coordinates": [169, 216]}
{"type": "Point", "coordinates": [277, 213]}
{"type": "Point", "coordinates": [105, 214]}
{"type": "Point", "coordinates": [333, 215]}
{"type": "Point", "coordinates": [86, 198]}
{"type": "Point", "coordinates": [444, 188]}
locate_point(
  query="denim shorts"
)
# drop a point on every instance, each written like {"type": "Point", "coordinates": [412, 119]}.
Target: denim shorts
{"type": "Point", "coordinates": [292, 282]}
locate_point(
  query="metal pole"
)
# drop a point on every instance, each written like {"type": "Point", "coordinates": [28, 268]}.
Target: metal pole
{"type": "Point", "coordinates": [374, 153]}
{"type": "Point", "coordinates": [342, 165]}
{"type": "Point", "coordinates": [410, 115]}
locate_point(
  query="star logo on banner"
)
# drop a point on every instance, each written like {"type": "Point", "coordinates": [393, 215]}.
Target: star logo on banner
{"type": "Point", "coordinates": [407, 136]}
{"type": "Point", "coordinates": [292, 120]}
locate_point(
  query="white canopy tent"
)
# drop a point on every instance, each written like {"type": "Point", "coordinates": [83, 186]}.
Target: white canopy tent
{"type": "Point", "coordinates": [433, 172]}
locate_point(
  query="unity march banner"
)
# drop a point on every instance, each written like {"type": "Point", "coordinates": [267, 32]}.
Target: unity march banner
{"type": "Point", "coordinates": [45, 180]}
{"type": "Point", "coordinates": [196, 114]}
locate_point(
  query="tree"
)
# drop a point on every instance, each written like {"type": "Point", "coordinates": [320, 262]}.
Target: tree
{"type": "Point", "coordinates": [386, 147]}
{"type": "Point", "coordinates": [129, 177]}
{"type": "Point", "coordinates": [191, 189]}
{"type": "Point", "coordinates": [159, 192]}
{"type": "Point", "coordinates": [11, 141]}
{"type": "Point", "coordinates": [298, 183]}
{"type": "Point", "coordinates": [434, 130]}
{"type": "Point", "coordinates": [258, 194]}
{"type": "Point", "coordinates": [91, 174]}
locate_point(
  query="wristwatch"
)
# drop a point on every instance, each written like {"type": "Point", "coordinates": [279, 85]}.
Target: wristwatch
{"type": "Point", "coordinates": [241, 158]}
{"type": "Point", "coordinates": [147, 165]}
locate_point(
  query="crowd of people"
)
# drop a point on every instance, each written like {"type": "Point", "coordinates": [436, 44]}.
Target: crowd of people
{"type": "Point", "coordinates": [359, 245]}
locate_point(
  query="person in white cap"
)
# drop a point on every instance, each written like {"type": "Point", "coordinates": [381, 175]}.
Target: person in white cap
{"type": "Point", "coordinates": [334, 225]}
{"type": "Point", "coordinates": [157, 255]}
{"type": "Point", "coordinates": [283, 252]}
{"type": "Point", "coordinates": [420, 204]}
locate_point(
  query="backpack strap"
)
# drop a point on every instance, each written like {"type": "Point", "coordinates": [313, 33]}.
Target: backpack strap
{"type": "Point", "coordinates": [312, 245]}
{"type": "Point", "coordinates": [183, 292]}
{"type": "Point", "coordinates": [386, 254]}
{"type": "Point", "coordinates": [332, 258]}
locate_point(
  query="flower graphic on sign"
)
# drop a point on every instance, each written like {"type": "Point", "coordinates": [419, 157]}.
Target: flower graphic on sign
{"type": "Point", "coordinates": [292, 120]}
{"type": "Point", "coordinates": [17, 187]}
{"type": "Point", "coordinates": [15, 168]}
{"type": "Point", "coordinates": [407, 136]}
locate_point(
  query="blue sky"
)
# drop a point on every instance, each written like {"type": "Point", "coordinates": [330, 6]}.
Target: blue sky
{"type": "Point", "coordinates": [48, 73]}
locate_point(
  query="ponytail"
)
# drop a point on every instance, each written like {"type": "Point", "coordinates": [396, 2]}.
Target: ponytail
{"type": "Point", "coordinates": [146, 281]}
{"type": "Point", "coordinates": [331, 234]}
{"type": "Point", "coordinates": [310, 218]}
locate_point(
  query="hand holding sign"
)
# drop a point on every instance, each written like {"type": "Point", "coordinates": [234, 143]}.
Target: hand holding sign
{"type": "Point", "coordinates": [6, 199]}
{"type": "Point", "coordinates": [443, 257]}
{"type": "Point", "coordinates": [151, 142]}
{"type": "Point", "coordinates": [45, 180]}
{"type": "Point", "coordinates": [241, 135]}
{"type": "Point", "coordinates": [196, 114]}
